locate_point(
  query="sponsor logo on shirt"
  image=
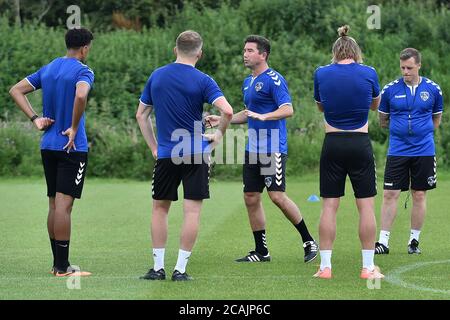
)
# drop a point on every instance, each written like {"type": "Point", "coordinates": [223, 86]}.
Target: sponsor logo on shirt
{"type": "Point", "coordinates": [401, 96]}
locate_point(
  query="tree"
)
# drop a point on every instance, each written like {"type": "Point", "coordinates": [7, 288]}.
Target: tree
{"type": "Point", "coordinates": [17, 12]}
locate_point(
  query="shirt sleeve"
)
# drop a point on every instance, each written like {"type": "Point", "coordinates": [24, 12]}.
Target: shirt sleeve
{"type": "Point", "coordinates": [375, 85]}
{"type": "Point", "coordinates": [438, 106]}
{"type": "Point", "coordinates": [87, 76]}
{"type": "Point", "coordinates": [316, 88]}
{"type": "Point", "coordinates": [384, 104]}
{"type": "Point", "coordinates": [34, 79]}
{"type": "Point", "coordinates": [280, 92]}
{"type": "Point", "coordinates": [146, 96]}
{"type": "Point", "coordinates": [211, 91]}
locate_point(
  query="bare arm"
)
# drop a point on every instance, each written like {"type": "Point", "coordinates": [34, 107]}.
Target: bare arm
{"type": "Point", "coordinates": [375, 103]}
{"type": "Point", "coordinates": [283, 112]}
{"type": "Point", "coordinates": [145, 124]}
{"type": "Point", "coordinates": [79, 106]}
{"type": "Point", "coordinates": [226, 114]}
{"type": "Point", "coordinates": [239, 118]}
{"type": "Point", "coordinates": [319, 106]}
{"type": "Point", "coordinates": [384, 119]}
{"type": "Point", "coordinates": [18, 92]}
{"type": "Point", "coordinates": [437, 120]}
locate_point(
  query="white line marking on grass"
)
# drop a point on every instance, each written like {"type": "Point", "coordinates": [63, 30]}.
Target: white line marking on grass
{"type": "Point", "coordinates": [394, 277]}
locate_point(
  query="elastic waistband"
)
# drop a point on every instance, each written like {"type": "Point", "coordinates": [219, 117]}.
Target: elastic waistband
{"type": "Point", "coordinates": [347, 134]}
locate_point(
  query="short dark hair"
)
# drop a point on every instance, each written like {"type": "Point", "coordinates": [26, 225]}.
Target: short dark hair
{"type": "Point", "coordinates": [77, 38]}
{"type": "Point", "coordinates": [262, 43]}
{"type": "Point", "coordinates": [411, 53]}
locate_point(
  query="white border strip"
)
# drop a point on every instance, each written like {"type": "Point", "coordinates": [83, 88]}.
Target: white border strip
{"type": "Point", "coordinates": [147, 105]}
{"type": "Point", "coordinates": [83, 82]}
{"type": "Point", "coordinates": [285, 104]}
{"type": "Point", "coordinates": [217, 99]}
{"type": "Point", "coordinates": [34, 88]}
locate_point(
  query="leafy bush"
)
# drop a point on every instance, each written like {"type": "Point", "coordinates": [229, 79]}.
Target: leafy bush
{"type": "Point", "coordinates": [301, 31]}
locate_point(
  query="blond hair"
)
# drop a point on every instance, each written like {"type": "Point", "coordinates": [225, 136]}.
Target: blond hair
{"type": "Point", "coordinates": [189, 43]}
{"type": "Point", "coordinates": [345, 47]}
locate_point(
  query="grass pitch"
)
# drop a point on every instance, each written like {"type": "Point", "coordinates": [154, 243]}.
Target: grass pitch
{"type": "Point", "coordinates": [110, 238]}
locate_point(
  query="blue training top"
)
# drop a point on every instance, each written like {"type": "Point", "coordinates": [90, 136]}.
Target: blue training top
{"type": "Point", "coordinates": [58, 81]}
{"type": "Point", "coordinates": [177, 92]}
{"type": "Point", "coordinates": [410, 112]}
{"type": "Point", "coordinates": [263, 94]}
{"type": "Point", "coordinates": [346, 92]}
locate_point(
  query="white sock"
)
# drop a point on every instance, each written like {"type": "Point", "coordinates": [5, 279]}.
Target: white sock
{"type": "Point", "coordinates": [367, 257]}
{"type": "Point", "coordinates": [414, 235]}
{"type": "Point", "coordinates": [183, 258]}
{"type": "Point", "coordinates": [384, 238]}
{"type": "Point", "coordinates": [158, 258]}
{"type": "Point", "coordinates": [325, 259]}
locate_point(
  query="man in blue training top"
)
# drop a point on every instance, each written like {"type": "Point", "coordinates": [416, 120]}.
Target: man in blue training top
{"type": "Point", "coordinates": [268, 104]}
{"type": "Point", "coordinates": [412, 109]}
{"type": "Point", "coordinates": [177, 92]}
{"type": "Point", "coordinates": [65, 84]}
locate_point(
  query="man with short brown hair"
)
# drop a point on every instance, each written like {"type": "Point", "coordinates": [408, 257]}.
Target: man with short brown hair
{"type": "Point", "coordinates": [411, 107]}
{"type": "Point", "coordinates": [177, 92]}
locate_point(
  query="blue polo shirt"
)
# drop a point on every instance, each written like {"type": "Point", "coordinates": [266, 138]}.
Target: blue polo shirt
{"type": "Point", "coordinates": [410, 110]}
{"type": "Point", "coordinates": [58, 81]}
{"type": "Point", "coordinates": [346, 92]}
{"type": "Point", "coordinates": [177, 92]}
{"type": "Point", "coordinates": [263, 94]}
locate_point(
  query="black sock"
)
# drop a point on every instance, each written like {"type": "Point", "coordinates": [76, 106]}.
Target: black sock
{"type": "Point", "coordinates": [62, 254]}
{"type": "Point", "coordinates": [303, 230]}
{"type": "Point", "coordinates": [53, 244]}
{"type": "Point", "coordinates": [260, 242]}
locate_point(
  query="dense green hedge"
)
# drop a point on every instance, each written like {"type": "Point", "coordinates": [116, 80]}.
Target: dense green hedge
{"type": "Point", "coordinates": [302, 33]}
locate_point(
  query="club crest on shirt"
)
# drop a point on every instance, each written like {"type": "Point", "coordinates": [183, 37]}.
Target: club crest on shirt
{"type": "Point", "coordinates": [424, 95]}
{"type": "Point", "coordinates": [268, 181]}
{"type": "Point", "coordinates": [259, 86]}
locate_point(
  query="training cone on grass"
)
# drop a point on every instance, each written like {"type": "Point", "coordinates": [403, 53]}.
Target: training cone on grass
{"type": "Point", "coordinates": [313, 198]}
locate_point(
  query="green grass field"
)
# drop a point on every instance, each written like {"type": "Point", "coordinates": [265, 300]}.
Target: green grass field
{"type": "Point", "coordinates": [110, 237]}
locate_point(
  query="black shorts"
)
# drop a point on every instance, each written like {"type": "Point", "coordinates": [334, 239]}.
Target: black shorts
{"type": "Point", "coordinates": [347, 153]}
{"type": "Point", "coordinates": [64, 172]}
{"type": "Point", "coordinates": [264, 171]}
{"type": "Point", "coordinates": [401, 172]}
{"type": "Point", "coordinates": [168, 173]}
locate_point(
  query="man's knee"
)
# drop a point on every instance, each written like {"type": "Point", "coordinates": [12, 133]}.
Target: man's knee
{"type": "Point", "coordinates": [278, 198]}
{"type": "Point", "coordinates": [391, 195]}
{"type": "Point", "coordinates": [252, 198]}
{"type": "Point", "coordinates": [161, 206]}
{"type": "Point", "coordinates": [418, 196]}
{"type": "Point", "coordinates": [330, 204]}
{"type": "Point", "coordinates": [51, 204]}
